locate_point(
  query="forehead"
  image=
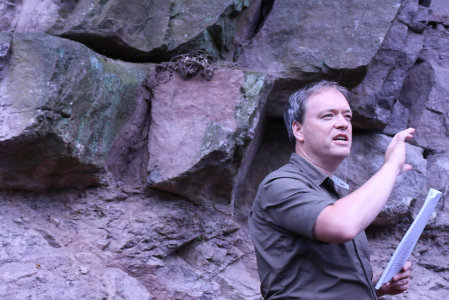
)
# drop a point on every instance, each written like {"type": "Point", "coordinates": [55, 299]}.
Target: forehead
{"type": "Point", "coordinates": [326, 99]}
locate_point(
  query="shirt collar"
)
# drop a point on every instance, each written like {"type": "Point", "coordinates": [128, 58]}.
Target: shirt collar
{"type": "Point", "coordinates": [307, 167]}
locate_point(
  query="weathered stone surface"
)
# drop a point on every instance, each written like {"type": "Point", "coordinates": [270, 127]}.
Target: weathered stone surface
{"type": "Point", "coordinates": [36, 252]}
{"type": "Point", "coordinates": [134, 29]}
{"type": "Point", "coordinates": [425, 94]}
{"type": "Point", "coordinates": [430, 272]}
{"type": "Point", "coordinates": [300, 50]}
{"type": "Point", "coordinates": [440, 12]}
{"type": "Point", "coordinates": [398, 119]}
{"type": "Point", "coordinates": [102, 244]}
{"type": "Point", "coordinates": [415, 14]}
{"type": "Point", "coordinates": [437, 40]}
{"type": "Point", "coordinates": [200, 130]}
{"type": "Point", "coordinates": [62, 109]}
{"type": "Point", "coordinates": [118, 242]}
{"type": "Point", "coordinates": [430, 110]}
{"type": "Point", "coordinates": [226, 266]}
{"type": "Point", "coordinates": [438, 178]}
{"type": "Point", "coordinates": [292, 44]}
{"type": "Point", "coordinates": [375, 97]}
{"type": "Point", "coordinates": [273, 152]}
{"type": "Point", "coordinates": [367, 156]}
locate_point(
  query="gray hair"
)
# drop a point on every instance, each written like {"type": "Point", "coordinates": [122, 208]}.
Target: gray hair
{"type": "Point", "coordinates": [295, 108]}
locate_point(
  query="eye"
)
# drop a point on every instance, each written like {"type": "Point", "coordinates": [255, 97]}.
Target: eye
{"type": "Point", "coordinates": [327, 116]}
{"type": "Point", "coordinates": [348, 117]}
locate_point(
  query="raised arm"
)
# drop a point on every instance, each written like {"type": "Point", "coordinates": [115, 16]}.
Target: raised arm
{"type": "Point", "coordinates": [343, 220]}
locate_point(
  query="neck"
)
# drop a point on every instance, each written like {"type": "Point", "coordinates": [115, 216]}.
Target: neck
{"type": "Point", "coordinates": [326, 167]}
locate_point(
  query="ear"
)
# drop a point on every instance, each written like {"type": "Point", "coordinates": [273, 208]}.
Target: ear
{"type": "Point", "coordinates": [297, 131]}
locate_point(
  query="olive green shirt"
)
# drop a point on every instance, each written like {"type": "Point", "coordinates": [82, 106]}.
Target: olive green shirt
{"type": "Point", "coordinates": [291, 263]}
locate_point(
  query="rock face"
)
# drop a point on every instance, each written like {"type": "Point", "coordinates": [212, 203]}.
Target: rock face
{"type": "Point", "coordinates": [291, 43]}
{"type": "Point", "coordinates": [57, 245]}
{"type": "Point", "coordinates": [273, 152]}
{"type": "Point", "coordinates": [431, 111]}
{"type": "Point", "coordinates": [301, 50]}
{"type": "Point", "coordinates": [198, 137]}
{"type": "Point", "coordinates": [375, 97]}
{"type": "Point", "coordinates": [134, 134]}
{"type": "Point", "coordinates": [131, 30]}
{"type": "Point", "coordinates": [440, 12]}
{"type": "Point", "coordinates": [61, 111]}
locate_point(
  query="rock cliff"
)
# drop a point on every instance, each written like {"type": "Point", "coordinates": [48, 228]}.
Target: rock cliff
{"type": "Point", "coordinates": [134, 134]}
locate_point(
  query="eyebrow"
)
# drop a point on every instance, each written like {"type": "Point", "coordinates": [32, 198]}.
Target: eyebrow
{"type": "Point", "coordinates": [335, 109]}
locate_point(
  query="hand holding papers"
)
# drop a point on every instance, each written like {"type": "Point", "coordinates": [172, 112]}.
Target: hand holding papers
{"type": "Point", "coordinates": [410, 239]}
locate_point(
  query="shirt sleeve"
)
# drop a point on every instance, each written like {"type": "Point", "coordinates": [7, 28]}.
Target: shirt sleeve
{"type": "Point", "coordinates": [292, 205]}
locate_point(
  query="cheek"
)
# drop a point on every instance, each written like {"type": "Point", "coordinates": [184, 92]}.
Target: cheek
{"type": "Point", "coordinates": [318, 141]}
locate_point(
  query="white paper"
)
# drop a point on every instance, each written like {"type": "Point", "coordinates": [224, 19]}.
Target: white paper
{"type": "Point", "coordinates": [410, 238]}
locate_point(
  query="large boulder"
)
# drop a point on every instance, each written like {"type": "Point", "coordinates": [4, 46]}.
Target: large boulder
{"type": "Point", "coordinates": [64, 110]}
{"type": "Point", "coordinates": [132, 30]}
{"type": "Point", "coordinates": [200, 132]}
{"type": "Point", "coordinates": [292, 43]}
{"type": "Point", "coordinates": [374, 98]}
{"type": "Point", "coordinates": [425, 93]}
{"type": "Point", "coordinates": [426, 104]}
{"type": "Point", "coordinates": [422, 101]}
{"type": "Point", "coordinates": [367, 156]}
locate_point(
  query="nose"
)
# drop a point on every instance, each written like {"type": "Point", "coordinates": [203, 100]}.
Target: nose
{"type": "Point", "coordinates": [341, 122]}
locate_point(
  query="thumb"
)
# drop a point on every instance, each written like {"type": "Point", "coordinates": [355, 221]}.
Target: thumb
{"type": "Point", "coordinates": [406, 167]}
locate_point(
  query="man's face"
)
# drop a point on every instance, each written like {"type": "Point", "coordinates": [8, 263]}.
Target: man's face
{"type": "Point", "coordinates": [326, 133]}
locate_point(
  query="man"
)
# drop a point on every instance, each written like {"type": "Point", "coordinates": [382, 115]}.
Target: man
{"type": "Point", "coordinates": [309, 243]}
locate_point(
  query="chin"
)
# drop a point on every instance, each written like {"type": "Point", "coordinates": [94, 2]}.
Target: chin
{"type": "Point", "coordinates": [342, 154]}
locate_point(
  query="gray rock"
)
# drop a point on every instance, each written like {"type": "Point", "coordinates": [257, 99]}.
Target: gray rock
{"type": "Point", "coordinates": [33, 268]}
{"type": "Point", "coordinates": [295, 49]}
{"type": "Point", "coordinates": [440, 12]}
{"type": "Point", "coordinates": [436, 42]}
{"type": "Point", "coordinates": [135, 30]}
{"type": "Point", "coordinates": [273, 152]}
{"type": "Point", "coordinates": [415, 14]}
{"type": "Point", "coordinates": [200, 131]}
{"type": "Point", "coordinates": [424, 94]}
{"type": "Point", "coordinates": [62, 109]}
{"type": "Point", "coordinates": [438, 178]}
{"type": "Point", "coordinates": [133, 242]}
{"type": "Point", "coordinates": [144, 246]}
{"type": "Point", "coordinates": [398, 119]}
{"type": "Point", "coordinates": [120, 285]}
{"type": "Point", "coordinates": [375, 97]}
{"type": "Point", "coordinates": [291, 44]}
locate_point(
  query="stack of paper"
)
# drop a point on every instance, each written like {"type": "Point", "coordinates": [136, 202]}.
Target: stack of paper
{"type": "Point", "coordinates": [410, 239]}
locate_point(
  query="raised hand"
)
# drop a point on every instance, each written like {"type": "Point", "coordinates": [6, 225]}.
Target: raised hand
{"type": "Point", "coordinates": [396, 153]}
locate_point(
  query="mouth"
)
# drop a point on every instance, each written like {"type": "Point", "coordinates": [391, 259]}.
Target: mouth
{"type": "Point", "coordinates": [341, 137]}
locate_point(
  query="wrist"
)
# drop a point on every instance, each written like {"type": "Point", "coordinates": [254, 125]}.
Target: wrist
{"type": "Point", "coordinates": [391, 168]}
